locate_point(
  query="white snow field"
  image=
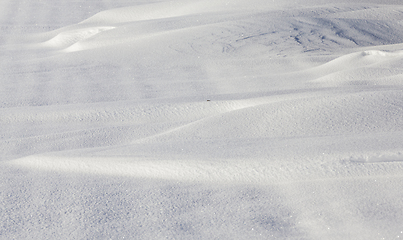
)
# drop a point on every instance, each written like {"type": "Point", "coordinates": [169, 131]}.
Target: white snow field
{"type": "Point", "coordinates": [210, 119]}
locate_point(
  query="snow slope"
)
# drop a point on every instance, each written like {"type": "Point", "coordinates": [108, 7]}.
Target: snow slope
{"type": "Point", "coordinates": [201, 119]}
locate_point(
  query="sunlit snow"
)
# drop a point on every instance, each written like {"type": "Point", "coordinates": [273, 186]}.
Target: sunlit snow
{"type": "Point", "coordinates": [213, 119]}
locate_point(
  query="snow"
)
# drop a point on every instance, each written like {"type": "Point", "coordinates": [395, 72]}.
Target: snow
{"type": "Point", "coordinates": [205, 119]}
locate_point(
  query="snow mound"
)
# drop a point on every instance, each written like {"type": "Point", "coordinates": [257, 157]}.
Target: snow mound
{"type": "Point", "coordinates": [304, 117]}
{"type": "Point", "coordinates": [378, 13]}
{"type": "Point", "coordinates": [171, 9]}
{"type": "Point", "coordinates": [145, 12]}
{"type": "Point", "coordinates": [308, 29]}
{"type": "Point", "coordinates": [223, 171]}
{"type": "Point", "coordinates": [176, 170]}
{"type": "Point", "coordinates": [68, 38]}
{"type": "Point", "coordinates": [372, 67]}
{"type": "Point", "coordinates": [358, 59]}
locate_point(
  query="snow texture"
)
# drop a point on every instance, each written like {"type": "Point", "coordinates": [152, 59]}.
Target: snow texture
{"type": "Point", "coordinates": [190, 119]}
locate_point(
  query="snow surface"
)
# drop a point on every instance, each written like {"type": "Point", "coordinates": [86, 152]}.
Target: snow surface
{"type": "Point", "coordinates": [213, 119]}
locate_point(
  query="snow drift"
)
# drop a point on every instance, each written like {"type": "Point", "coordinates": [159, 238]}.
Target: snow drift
{"type": "Point", "coordinates": [202, 119]}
